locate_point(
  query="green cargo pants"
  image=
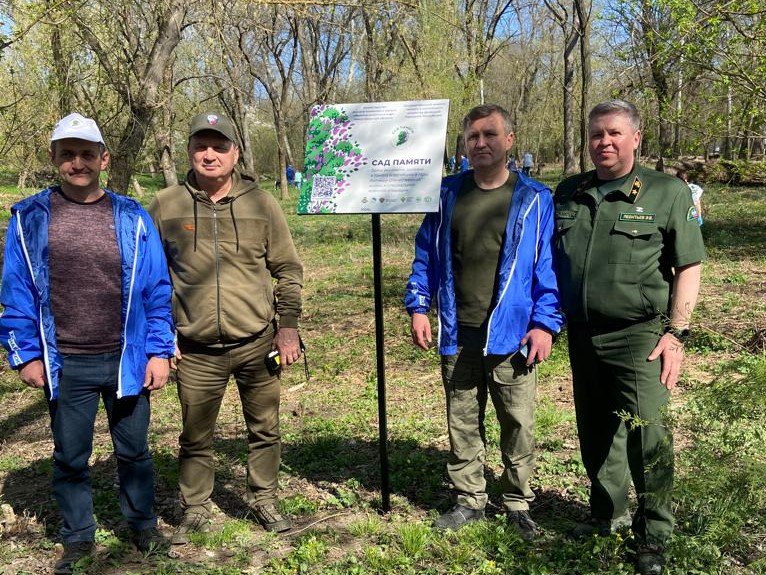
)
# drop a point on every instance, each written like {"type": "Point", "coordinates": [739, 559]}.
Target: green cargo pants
{"type": "Point", "coordinates": [467, 377]}
{"type": "Point", "coordinates": [203, 376]}
{"type": "Point", "coordinates": [611, 375]}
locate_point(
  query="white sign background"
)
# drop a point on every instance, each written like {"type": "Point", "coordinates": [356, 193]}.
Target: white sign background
{"type": "Point", "coordinates": [379, 157]}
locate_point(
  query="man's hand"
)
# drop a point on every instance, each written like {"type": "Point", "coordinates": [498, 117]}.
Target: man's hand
{"type": "Point", "coordinates": [287, 343]}
{"type": "Point", "coordinates": [671, 354]}
{"type": "Point", "coordinates": [176, 357]}
{"type": "Point", "coordinates": [539, 343]}
{"type": "Point", "coordinates": [157, 371]}
{"type": "Point", "coordinates": [420, 328]}
{"type": "Point", "coordinates": [33, 374]}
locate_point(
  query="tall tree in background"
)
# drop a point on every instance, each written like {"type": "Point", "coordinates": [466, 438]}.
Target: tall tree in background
{"type": "Point", "coordinates": [564, 13]}
{"type": "Point", "coordinates": [482, 36]}
{"type": "Point", "coordinates": [267, 40]}
{"type": "Point", "coordinates": [134, 43]}
{"type": "Point", "coordinates": [583, 9]}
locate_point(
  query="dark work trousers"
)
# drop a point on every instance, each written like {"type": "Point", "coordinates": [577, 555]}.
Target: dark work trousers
{"type": "Point", "coordinates": [84, 380]}
{"type": "Point", "coordinates": [468, 377]}
{"type": "Point", "coordinates": [620, 405]}
{"type": "Point", "coordinates": [203, 376]}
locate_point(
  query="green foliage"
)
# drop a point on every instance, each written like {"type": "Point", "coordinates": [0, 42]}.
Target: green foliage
{"type": "Point", "coordinates": [724, 469]}
{"type": "Point", "coordinates": [735, 172]}
{"type": "Point", "coordinates": [307, 553]}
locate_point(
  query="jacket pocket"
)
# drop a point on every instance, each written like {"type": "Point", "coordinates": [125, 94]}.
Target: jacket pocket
{"type": "Point", "coordinates": [629, 241]}
{"type": "Point", "coordinates": [563, 227]}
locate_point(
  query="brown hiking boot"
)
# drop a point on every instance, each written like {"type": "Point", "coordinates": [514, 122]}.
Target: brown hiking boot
{"type": "Point", "coordinates": [192, 522]}
{"type": "Point", "coordinates": [270, 518]}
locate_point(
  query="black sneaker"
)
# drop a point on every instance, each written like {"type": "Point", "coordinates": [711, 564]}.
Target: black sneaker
{"type": "Point", "coordinates": [270, 518]}
{"type": "Point", "coordinates": [457, 517]}
{"type": "Point", "coordinates": [600, 527]}
{"type": "Point", "coordinates": [192, 522]}
{"type": "Point", "coordinates": [650, 559]}
{"type": "Point", "coordinates": [73, 552]}
{"type": "Point", "coordinates": [522, 522]}
{"type": "Point", "coordinates": [149, 540]}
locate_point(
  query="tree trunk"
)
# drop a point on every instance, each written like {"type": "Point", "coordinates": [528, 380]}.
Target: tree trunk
{"type": "Point", "coordinates": [568, 93]}
{"type": "Point", "coordinates": [583, 8]}
{"type": "Point", "coordinates": [284, 190]}
{"type": "Point", "coordinates": [61, 73]}
{"type": "Point", "coordinates": [163, 132]}
{"type": "Point", "coordinates": [143, 99]}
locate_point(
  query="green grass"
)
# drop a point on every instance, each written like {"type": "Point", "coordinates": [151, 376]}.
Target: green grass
{"type": "Point", "coordinates": [329, 482]}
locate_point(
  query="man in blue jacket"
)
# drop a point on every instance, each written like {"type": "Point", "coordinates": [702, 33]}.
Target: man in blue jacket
{"type": "Point", "coordinates": [87, 314]}
{"type": "Point", "coordinates": [484, 263]}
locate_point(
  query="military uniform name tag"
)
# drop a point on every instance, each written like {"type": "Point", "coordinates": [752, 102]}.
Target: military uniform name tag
{"type": "Point", "coordinates": [634, 217]}
{"type": "Point", "coordinates": [566, 214]}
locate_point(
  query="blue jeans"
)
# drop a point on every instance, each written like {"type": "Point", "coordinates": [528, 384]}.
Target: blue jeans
{"type": "Point", "coordinates": [85, 378]}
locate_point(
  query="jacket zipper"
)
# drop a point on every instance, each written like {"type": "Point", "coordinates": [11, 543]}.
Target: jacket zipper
{"type": "Point", "coordinates": [510, 274]}
{"type": "Point", "coordinates": [438, 284]}
{"type": "Point", "coordinates": [217, 272]}
{"type": "Point", "coordinates": [586, 265]}
{"type": "Point", "coordinates": [133, 267]}
{"type": "Point", "coordinates": [46, 357]}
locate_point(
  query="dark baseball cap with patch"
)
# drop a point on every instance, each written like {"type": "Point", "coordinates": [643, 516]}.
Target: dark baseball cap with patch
{"type": "Point", "coordinates": [211, 121]}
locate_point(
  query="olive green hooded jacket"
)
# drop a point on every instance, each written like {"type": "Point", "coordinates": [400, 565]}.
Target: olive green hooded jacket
{"type": "Point", "coordinates": [232, 263]}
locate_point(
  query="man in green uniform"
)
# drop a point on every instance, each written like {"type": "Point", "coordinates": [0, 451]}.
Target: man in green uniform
{"type": "Point", "coordinates": [629, 252]}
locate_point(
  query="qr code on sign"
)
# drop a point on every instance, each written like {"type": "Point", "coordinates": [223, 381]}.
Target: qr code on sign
{"type": "Point", "coordinates": [323, 186]}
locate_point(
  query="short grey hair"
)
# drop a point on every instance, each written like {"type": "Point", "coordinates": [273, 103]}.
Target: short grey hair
{"type": "Point", "coordinates": [617, 107]}
{"type": "Point", "coordinates": [486, 110]}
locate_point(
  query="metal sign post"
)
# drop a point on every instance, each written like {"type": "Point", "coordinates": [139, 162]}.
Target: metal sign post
{"type": "Point", "coordinates": [377, 267]}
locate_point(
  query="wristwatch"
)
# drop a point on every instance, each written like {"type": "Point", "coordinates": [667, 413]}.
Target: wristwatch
{"type": "Point", "coordinates": [680, 334]}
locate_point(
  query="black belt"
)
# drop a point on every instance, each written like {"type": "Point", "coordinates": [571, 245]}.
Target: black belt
{"type": "Point", "coordinates": [608, 326]}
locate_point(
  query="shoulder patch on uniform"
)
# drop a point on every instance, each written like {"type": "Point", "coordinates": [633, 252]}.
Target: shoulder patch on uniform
{"type": "Point", "coordinates": [635, 190]}
{"type": "Point", "coordinates": [692, 215]}
{"type": "Point", "coordinates": [566, 214]}
{"type": "Point", "coordinates": [636, 217]}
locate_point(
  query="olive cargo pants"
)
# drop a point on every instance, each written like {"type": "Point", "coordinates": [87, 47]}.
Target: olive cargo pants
{"type": "Point", "coordinates": [468, 376]}
{"type": "Point", "coordinates": [620, 405]}
{"type": "Point", "coordinates": [203, 376]}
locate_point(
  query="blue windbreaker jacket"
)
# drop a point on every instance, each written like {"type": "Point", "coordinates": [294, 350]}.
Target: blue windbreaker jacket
{"type": "Point", "coordinates": [528, 295]}
{"type": "Point", "coordinates": [27, 327]}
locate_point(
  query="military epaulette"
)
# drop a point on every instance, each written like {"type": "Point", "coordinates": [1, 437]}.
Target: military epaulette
{"type": "Point", "coordinates": [587, 182]}
{"type": "Point", "coordinates": [634, 190]}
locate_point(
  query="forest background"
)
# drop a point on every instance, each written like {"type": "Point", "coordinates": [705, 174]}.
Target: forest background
{"type": "Point", "coordinates": [697, 71]}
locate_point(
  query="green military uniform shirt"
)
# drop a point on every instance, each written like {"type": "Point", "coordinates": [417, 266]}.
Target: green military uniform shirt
{"type": "Point", "coordinates": [617, 243]}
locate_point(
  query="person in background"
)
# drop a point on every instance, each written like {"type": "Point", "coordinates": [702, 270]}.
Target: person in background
{"type": "Point", "coordinates": [86, 298]}
{"type": "Point", "coordinates": [290, 174]}
{"type": "Point", "coordinates": [527, 162]}
{"type": "Point", "coordinates": [696, 193]}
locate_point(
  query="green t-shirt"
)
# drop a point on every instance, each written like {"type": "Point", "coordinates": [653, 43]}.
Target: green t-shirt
{"type": "Point", "coordinates": [478, 231]}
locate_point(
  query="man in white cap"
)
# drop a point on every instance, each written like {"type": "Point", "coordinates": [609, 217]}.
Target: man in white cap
{"type": "Point", "coordinates": [87, 315]}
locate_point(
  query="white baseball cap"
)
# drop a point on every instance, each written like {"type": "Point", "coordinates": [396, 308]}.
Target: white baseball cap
{"type": "Point", "coordinates": [77, 126]}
